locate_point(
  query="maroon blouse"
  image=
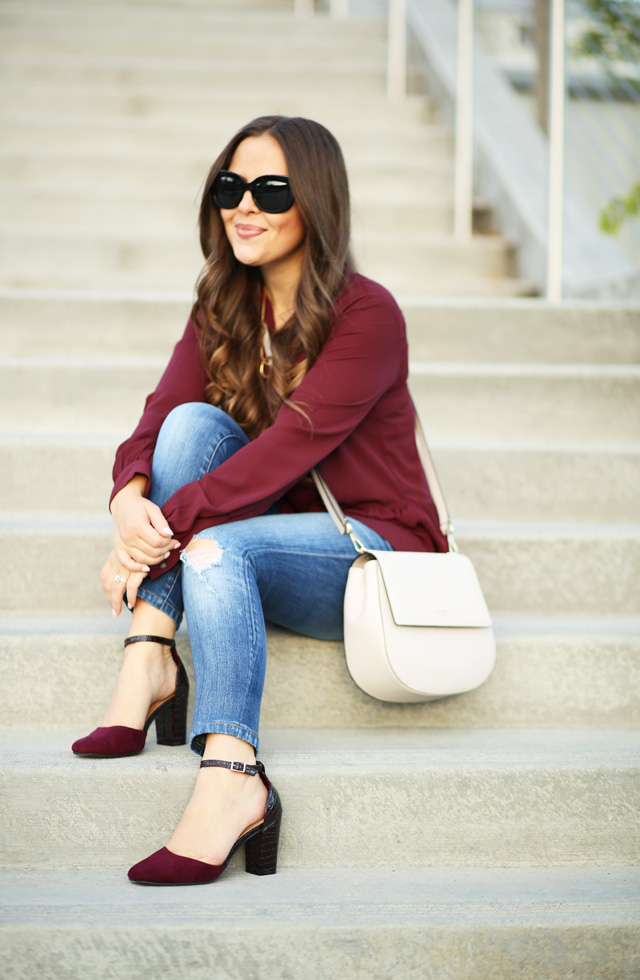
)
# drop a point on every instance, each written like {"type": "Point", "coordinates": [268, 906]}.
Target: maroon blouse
{"type": "Point", "coordinates": [361, 438]}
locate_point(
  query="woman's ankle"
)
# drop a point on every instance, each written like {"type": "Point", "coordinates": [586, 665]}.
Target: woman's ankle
{"type": "Point", "coordinates": [147, 677]}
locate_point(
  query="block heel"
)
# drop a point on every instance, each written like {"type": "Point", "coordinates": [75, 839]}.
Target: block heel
{"type": "Point", "coordinates": [171, 717]}
{"type": "Point", "coordinates": [261, 850]}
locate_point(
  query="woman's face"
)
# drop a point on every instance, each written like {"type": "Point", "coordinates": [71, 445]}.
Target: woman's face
{"type": "Point", "coordinates": [270, 241]}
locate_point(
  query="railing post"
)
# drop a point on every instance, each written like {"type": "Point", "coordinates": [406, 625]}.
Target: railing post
{"type": "Point", "coordinates": [303, 8]}
{"type": "Point", "coordinates": [339, 9]}
{"type": "Point", "coordinates": [397, 50]}
{"type": "Point", "coordinates": [463, 191]}
{"type": "Point", "coordinates": [556, 152]}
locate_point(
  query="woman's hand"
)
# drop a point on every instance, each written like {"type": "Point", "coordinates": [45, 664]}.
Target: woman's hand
{"type": "Point", "coordinates": [141, 536]}
{"type": "Point", "coordinates": [118, 582]}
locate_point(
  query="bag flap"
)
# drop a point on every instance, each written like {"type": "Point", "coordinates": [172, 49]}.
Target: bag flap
{"type": "Point", "coordinates": [430, 589]}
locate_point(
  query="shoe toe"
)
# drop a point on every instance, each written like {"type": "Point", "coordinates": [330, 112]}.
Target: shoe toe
{"type": "Point", "coordinates": [115, 740]}
{"type": "Point", "coordinates": [163, 867]}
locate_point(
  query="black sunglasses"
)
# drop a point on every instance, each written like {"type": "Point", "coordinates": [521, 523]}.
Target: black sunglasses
{"type": "Point", "coordinates": [270, 193]}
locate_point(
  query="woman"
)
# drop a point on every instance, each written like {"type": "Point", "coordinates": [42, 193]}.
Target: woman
{"type": "Point", "coordinates": [290, 360]}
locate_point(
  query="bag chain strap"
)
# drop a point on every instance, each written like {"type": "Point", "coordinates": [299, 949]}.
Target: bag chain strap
{"type": "Point", "coordinates": [426, 459]}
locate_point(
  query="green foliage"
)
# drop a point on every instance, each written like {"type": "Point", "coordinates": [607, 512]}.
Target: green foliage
{"type": "Point", "coordinates": [613, 34]}
{"type": "Point", "coordinates": [619, 209]}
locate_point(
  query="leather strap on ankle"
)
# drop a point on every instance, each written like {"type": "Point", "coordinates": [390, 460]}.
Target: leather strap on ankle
{"type": "Point", "coordinates": [149, 639]}
{"type": "Point", "coordinates": [234, 766]}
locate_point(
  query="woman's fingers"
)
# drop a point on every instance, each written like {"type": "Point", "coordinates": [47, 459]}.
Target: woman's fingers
{"type": "Point", "coordinates": [133, 584]}
{"type": "Point", "coordinates": [132, 561]}
{"type": "Point", "coordinates": [158, 520]}
{"type": "Point", "coordinates": [118, 581]}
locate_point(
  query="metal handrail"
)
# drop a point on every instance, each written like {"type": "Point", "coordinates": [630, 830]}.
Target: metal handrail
{"type": "Point", "coordinates": [401, 15]}
{"type": "Point", "coordinates": [557, 95]}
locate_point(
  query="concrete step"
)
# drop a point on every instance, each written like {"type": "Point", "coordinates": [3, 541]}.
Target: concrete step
{"type": "Point", "coordinates": [68, 261]}
{"type": "Point", "coordinates": [555, 403]}
{"type": "Point", "coordinates": [417, 924]}
{"type": "Point", "coordinates": [533, 569]}
{"type": "Point", "coordinates": [207, 40]}
{"type": "Point", "coordinates": [523, 331]}
{"type": "Point", "coordinates": [483, 481]}
{"type": "Point", "coordinates": [53, 26]}
{"type": "Point", "coordinates": [166, 215]}
{"type": "Point", "coordinates": [553, 798]}
{"type": "Point", "coordinates": [181, 174]}
{"type": "Point", "coordinates": [550, 673]}
{"type": "Point", "coordinates": [144, 120]}
{"type": "Point", "coordinates": [486, 331]}
{"type": "Point", "coordinates": [44, 67]}
{"type": "Point", "coordinates": [125, 104]}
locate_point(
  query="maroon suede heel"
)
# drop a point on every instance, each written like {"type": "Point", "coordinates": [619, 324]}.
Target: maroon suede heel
{"type": "Point", "coordinates": [163, 867]}
{"type": "Point", "coordinates": [170, 717]}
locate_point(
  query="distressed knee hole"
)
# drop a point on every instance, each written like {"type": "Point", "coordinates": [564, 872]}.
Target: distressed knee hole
{"type": "Point", "coordinates": [202, 553]}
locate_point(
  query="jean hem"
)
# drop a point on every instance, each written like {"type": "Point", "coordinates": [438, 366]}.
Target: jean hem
{"type": "Point", "coordinates": [163, 605]}
{"type": "Point", "coordinates": [221, 728]}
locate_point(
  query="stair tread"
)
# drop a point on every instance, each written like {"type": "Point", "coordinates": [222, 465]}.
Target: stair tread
{"type": "Point", "coordinates": [53, 622]}
{"type": "Point", "coordinates": [367, 752]}
{"type": "Point", "coordinates": [428, 897]}
{"type": "Point", "coordinates": [57, 522]}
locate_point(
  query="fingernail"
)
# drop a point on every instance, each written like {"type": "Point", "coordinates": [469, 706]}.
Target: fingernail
{"type": "Point", "coordinates": [145, 568]}
{"type": "Point", "coordinates": [114, 613]}
{"type": "Point", "coordinates": [167, 530]}
{"type": "Point", "coordinates": [130, 606]}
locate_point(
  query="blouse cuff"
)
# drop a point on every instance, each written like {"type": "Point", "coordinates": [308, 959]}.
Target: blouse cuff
{"type": "Point", "coordinates": [138, 468]}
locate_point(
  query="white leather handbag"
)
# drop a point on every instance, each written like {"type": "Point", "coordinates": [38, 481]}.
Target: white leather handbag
{"type": "Point", "coordinates": [416, 625]}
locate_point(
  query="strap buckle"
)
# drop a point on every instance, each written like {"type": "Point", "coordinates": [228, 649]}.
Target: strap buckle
{"type": "Point", "coordinates": [356, 542]}
{"type": "Point", "coordinates": [451, 541]}
{"type": "Point", "coordinates": [238, 767]}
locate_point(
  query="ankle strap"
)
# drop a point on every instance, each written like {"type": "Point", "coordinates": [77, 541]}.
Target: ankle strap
{"type": "Point", "coordinates": [234, 766]}
{"type": "Point", "coordinates": [149, 639]}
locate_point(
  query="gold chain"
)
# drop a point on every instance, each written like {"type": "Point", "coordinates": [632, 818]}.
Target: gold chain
{"type": "Point", "coordinates": [265, 344]}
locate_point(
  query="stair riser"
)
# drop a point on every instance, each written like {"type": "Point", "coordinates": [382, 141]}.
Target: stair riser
{"type": "Point", "coordinates": [141, 121]}
{"type": "Point", "coordinates": [594, 407]}
{"type": "Point", "coordinates": [524, 331]}
{"type": "Point", "coordinates": [306, 79]}
{"type": "Point", "coordinates": [519, 331]}
{"type": "Point", "coordinates": [480, 485]}
{"type": "Point", "coordinates": [538, 682]}
{"type": "Point", "coordinates": [130, 265]}
{"type": "Point", "coordinates": [421, 949]}
{"type": "Point", "coordinates": [115, 173]}
{"type": "Point", "coordinates": [540, 574]}
{"type": "Point", "coordinates": [97, 813]}
{"type": "Point", "coordinates": [82, 30]}
{"type": "Point", "coordinates": [212, 47]}
{"type": "Point", "coordinates": [167, 218]}
{"type": "Point", "coordinates": [177, 91]}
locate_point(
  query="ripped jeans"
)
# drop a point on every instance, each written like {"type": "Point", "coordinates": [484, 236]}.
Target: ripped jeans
{"type": "Point", "coordinates": [288, 569]}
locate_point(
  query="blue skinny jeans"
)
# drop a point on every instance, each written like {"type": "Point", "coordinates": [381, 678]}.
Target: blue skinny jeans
{"type": "Point", "coordinates": [288, 569]}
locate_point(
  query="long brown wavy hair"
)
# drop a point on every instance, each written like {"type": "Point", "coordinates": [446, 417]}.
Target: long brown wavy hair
{"type": "Point", "coordinates": [228, 307]}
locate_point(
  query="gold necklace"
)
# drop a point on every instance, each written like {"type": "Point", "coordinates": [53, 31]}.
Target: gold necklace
{"type": "Point", "coordinates": [265, 345]}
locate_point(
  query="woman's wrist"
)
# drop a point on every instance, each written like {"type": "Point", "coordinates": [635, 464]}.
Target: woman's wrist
{"type": "Point", "coordinates": [134, 488]}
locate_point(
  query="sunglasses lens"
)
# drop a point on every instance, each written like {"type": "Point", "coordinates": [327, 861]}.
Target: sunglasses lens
{"type": "Point", "coordinates": [228, 190]}
{"type": "Point", "coordinates": [272, 194]}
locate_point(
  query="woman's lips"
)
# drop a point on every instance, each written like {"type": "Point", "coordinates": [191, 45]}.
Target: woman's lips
{"type": "Point", "coordinates": [248, 231]}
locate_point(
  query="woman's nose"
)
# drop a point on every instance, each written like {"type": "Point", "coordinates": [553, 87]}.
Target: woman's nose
{"type": "Point", "coordinates": [247, 204]}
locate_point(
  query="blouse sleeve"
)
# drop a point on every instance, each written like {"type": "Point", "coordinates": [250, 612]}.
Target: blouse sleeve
{"type": "Point", "coordinates": [363, 357]}
{"type": "Point", "coordinates": [184, 380]}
